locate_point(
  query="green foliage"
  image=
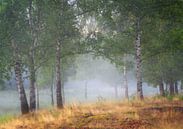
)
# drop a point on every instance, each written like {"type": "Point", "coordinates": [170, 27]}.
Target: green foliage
{"type": "Point", "coordinates": [162, 55]}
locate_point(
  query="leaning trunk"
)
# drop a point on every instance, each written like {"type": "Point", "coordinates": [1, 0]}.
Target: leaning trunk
{"type": "Point", "coordinates": [138, 61]}
{"type": "Point", "coordinates": [58, 77]}
{"type": "Point", "coordinates": [19, 82]}
{"type": "Point", "coordinates": [161, 89]}
{"type": "Point", "coordinates": [23, 99]}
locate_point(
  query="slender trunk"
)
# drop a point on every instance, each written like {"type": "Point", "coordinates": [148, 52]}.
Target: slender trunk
{"type": "Point", "coordinates": [63, 92]}
{"type": "Point", "coordinates": [58, 77]}
{"type": "Point", "coordinates": [176, 88]}
{"type": "Point", "coordinates": [125, 82]}
{"type": "Point", "coordinates": [32, 84]}
{"type": "Point", "coordinates": [32, 60]}
{"type": "Point", "coordinates": [181, 86]}
{"type": "Point", "coordinates": [37, 94]}
{"type": "Point", "coordinates": [86, 90]}
{"type": "Point", "coordinates": [52, 89]}
{"type": "Point", "coordinates": [116, 91]}
{"type": "Point", "coordinates": [19, 82]}
{"type": "Point", "coordinates": [138, 60]}
{"type": "Point", "coordinates": [161, 89]}
{"type": "Point", "coordinates": [52, 97]}
{"type": "Point", "coordinates": [171, 88]}
{"type": "Point", "coordinates": [166, 88]}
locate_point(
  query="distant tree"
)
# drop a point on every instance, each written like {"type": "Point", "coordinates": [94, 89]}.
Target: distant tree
{"type": "Point", "coordinates": [162, 55]}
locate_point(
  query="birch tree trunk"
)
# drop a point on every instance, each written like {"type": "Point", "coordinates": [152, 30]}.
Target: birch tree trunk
{"type": "Point", "coordinates": [32, 83]}
{"type": "Point", "coordinates": [22, 96]}
{"type": "Point", "coordinates": [138, 60]}
{"type": "Point", "coordinates": [32, 60]}
{"type": "Point", "coordinates": [58, 77]}
{"type": "Point", "coordinates": [19, 82]}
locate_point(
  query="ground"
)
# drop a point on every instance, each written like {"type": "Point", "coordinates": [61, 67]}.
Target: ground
{"type": "Point", "coordinates": [152, 113]}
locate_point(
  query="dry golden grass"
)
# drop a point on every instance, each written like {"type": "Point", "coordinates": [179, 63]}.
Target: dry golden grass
{"type": "Point", "coordinates": [148, 114]}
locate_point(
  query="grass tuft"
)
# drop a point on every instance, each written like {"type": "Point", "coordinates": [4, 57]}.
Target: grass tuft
{"type": "Point", "coordinates": [5, 118]}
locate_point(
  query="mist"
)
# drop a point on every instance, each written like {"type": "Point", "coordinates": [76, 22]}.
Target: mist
{"type": "Point", "coordinates": [94, 79]}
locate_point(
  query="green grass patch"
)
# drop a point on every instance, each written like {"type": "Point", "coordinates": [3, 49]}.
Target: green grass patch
{"type": "Point", "coordinates": [5, 118]}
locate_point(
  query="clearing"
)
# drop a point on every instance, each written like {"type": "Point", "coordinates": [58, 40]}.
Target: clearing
{"type": "Point", "coordinates": [152, 113]}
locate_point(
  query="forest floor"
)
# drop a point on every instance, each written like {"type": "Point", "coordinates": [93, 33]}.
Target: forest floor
{"type": "Point", "coordinates": [152, 113]}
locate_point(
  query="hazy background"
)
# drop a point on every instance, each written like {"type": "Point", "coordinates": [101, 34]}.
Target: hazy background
{"type": "Point", "coordinates": [99, 74]}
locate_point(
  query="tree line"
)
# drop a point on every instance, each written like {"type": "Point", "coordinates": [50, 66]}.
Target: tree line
{"type": "Point", "coordinates": [37, 34]}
